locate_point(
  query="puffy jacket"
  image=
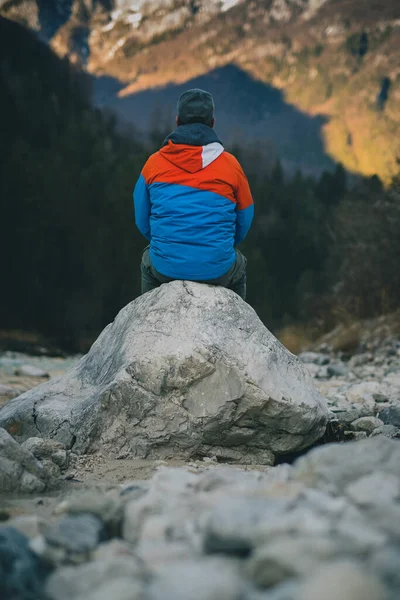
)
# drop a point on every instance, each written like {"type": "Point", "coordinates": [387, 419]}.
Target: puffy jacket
{"type": "Point", "coordinates": [193, 203]}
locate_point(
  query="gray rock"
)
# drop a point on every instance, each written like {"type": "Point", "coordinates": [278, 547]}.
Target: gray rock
{"type": "Point", "coordinates": [334, 466]}
{"type": "Point", "coordinates": [232, 526]}
{"type": "Point", "coordinates": [107, 506]}
{"type": "Point", "coordinates": [31, 371]}
{"type": "Point", "coordinates": [210, 579]}
{"type": "Point", "coordinates": [337, 370]}
{"type": "Point", "coordinates": [353, 581]}
{"type": "Point", "coordinates": [76, 583]}
{"type": "Point", "coordinates": [22, 573]}
{"type": "Point", "coordinates": [392, 378]}
{"type": "Point", "coordinates": [73, 539]}
{"type": "Point", "coordinates": [367, 424]}
{"type": "Point", "coordinates": [51, 471]}
{"type": "Point", "coordinates": [171, 491]}
{"type": "Point", "coordinates": [359, 536]}
{"type": "Point", "coordinates": [376, 489]}
{"type": "Point", "coordinates": [391, 415]}
{"type": "Point", "coordinates": [389, 431]}
{"type": "Point", "coordinates": [386, 562]}
{"type": "Point", "coordinates": [355, 435]}
{"type": "Point", "coordinates": [360, 359]}
{"type": "Point", "coordinates": [299, 521]}
{"type": "Point", "coordinates": [20, 471]}
{"type": "Point", "coordinates": [29, 525]}
{"type": "Point", "coordinates": [289, 556]}
{"type": "Point", "coordinates": [386, 518]}
{"type": "Point", "coordinates": [187, 369]}
{"type": "Point", "coordinates": [346, 417]}
{"type": "Point", "coordinates": [117, 589]}
{"type": "Point", "coordinates": [285, 591]}
{"type": "Point", "coordinates": [368, 393]}
{"type": "Point", "coordinates": [7, 392]}
{"type": "Point", "coordinates": [322, 373]}
{"type": "Point", "coordinates": [47, 449]}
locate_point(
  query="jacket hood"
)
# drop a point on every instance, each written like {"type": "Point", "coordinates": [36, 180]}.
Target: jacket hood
{"type": "Point", "coordinates": [192, 147]}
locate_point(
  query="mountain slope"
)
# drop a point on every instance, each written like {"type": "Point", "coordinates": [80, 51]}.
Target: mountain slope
{"type": "Point", "coordinates": [337, 59]}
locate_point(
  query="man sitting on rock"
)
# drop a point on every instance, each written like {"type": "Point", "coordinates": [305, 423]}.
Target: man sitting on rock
{"type": "Point", "coordinates": [193, 203]}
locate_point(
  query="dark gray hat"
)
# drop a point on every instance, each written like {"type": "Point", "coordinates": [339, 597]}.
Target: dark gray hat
{"type": "Point", "coordinates": [195, 106]}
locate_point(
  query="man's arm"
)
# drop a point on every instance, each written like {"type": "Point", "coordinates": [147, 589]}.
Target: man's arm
{"type": "Point", "coordinates": [244, 206]}
{"type": "Point", "coordinates": [141, 200]}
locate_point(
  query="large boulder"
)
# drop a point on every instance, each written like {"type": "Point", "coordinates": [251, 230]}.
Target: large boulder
{"type": "Point", "coordinates": [186, 370]}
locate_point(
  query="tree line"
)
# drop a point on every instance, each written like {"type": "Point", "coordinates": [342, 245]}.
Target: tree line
{"type": "Point", "coordinates": [69, 246]}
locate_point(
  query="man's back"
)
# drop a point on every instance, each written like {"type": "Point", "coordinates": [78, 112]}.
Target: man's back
{"type": "Point", "coordinates": [193, 203]}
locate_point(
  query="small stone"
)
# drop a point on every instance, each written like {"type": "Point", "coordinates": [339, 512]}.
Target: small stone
{"type": "Point", "coordinates": [209, 579]}
{"type": "Point", "coordinates": [20, 471]}
{"type": "Point", "coordinates": [345, 580]}
{"type": "Point", "coordinates": [31, 371]}
{"type": "Point", "coordinates": [366, 393]}
{"type": "Point", "coordinates": [355, 435]}
{"type": "Point", "coordinates": [288, 556]}
{"type": "Point", "coordinates": [375, 489]}
{"type": "Point", "coordinates": [107, 506]}
{"type": "Point", "coordinates": [7, 392]}
{"type": "Point", "coordinates": [367, 424]}
{"type": "Point", "coordinates": [29, 525]}
{"type": "Point", "coordinates": [118, 589]}
{"type": "Point", "coordinates": [76, 583]}
{"type": "Point", "coordinates": [389, 431]}
{"type": "Point", "coordinates": [30, 483]}
{"type": "Point", "coordinates": [360, 359]}
{"type": "Point", "coordinates": [331, 467]}
{"type": "Point", "coordinates": [22, 573]}
{"type": "Point", "coordinates": [74, 538]}
{"type": "Point", "coordinates": [322, 373]}
{"type": "Point", "coordinates": [113, 549]}
{"type": "Point", "coordinates": [391, 415]}
{"type": "Point", "coordinates": [47, 449]}
{"type": "Point", "coordinates": [232, 526]}
{"type": "Point", "coordinates": [284, 591]}
{"type": "Point", "coordinates": [51, 472]}
{"type": "Point", "coordinates": [386, 562]}
{"type": "Point", "coordinates": [337, 370]}
{"type": "Point", "coordinates": [359, 535]}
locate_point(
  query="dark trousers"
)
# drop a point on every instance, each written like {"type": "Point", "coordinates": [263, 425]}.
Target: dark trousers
{"type": "Point", "coordinates": [234, 279]}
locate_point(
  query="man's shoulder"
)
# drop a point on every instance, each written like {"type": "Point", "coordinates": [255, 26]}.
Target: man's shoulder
{"type": "Point", "coordinates": [230, 159]}
{"type": "Point", "coordinates": [151, 166]}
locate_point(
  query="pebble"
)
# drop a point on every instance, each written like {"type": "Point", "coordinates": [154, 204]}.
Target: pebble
{"type": "Point", "coordinates": [22, 573]}
{"type": "Point", "coordinates": [73, 539]}
{"type": "Point", "coordinates": [289, 556]}
{"type": "Point", "coordinates": [376, 489]}
{"type": "Point", "coordinates": [210, 579]}
{"type": "Point", "coordinates": [391, 415]}
{"type": "Point", "coordinates": [31, 371]}
{"type": "Point", "coordinates": [347, 580]}
{"type": "Point", "coordinates": [367, 424]}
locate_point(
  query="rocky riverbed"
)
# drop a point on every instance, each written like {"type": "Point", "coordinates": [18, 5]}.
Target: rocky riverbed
{"type": "Point", "coordinates": [99, 526]}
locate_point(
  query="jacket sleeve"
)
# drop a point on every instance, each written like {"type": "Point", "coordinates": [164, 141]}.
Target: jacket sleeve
{"type": "Point", "coordinates": [244, 206]}
{"type": "Point", "coordinates": [141, 201]}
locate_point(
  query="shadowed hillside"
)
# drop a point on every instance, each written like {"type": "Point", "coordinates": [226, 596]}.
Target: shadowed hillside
{"type": "Point", "coordinates": [246, 110]}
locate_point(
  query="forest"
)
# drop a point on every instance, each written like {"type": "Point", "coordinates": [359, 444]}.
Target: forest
{"type": "Point", "coordinates": [320, 250]}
